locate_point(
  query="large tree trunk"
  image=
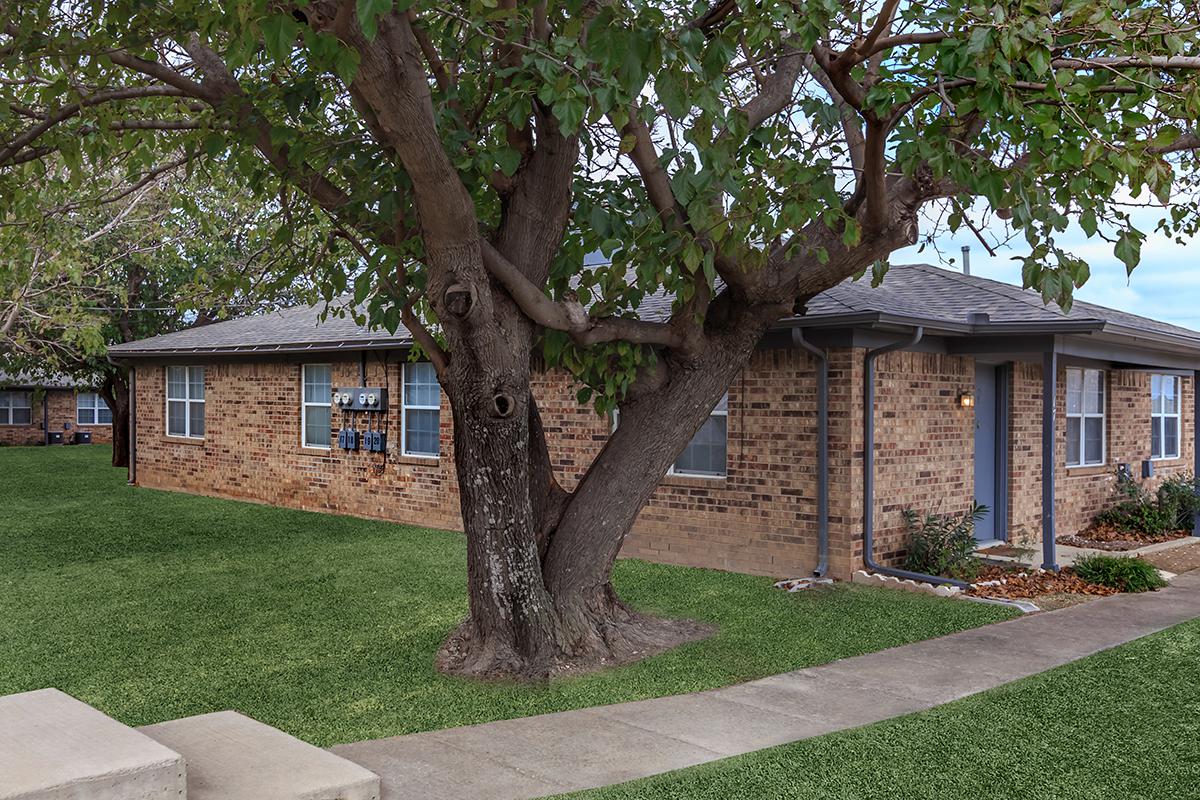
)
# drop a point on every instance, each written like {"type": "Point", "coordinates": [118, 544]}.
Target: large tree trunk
{"type": "Point", "coordinates": [115, 391]}
{"type": "Point", "coordinates": [540, 560]}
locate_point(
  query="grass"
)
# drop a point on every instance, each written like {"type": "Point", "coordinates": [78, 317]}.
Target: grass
{"type": "Point", "coordinates": [156, 605]}
{"type": "Point", "coordinates": [1123, 723]}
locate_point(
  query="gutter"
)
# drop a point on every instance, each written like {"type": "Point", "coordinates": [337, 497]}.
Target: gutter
{"type": "Point", "coordinates": [822, 358]}
{"type": "Point", "coordinates": [869, 467]}
{"type": "Point", "coordinates": [46, 418]}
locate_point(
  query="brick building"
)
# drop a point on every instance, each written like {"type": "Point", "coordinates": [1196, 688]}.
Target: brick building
{"type": "Point", "coordinates": [53, 410]}
{"type": "Point", "coordinates": [930, 392]}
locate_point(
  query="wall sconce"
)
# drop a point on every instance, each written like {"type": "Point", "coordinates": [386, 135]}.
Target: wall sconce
{"type": "Point", "coordinates": [966, 400]}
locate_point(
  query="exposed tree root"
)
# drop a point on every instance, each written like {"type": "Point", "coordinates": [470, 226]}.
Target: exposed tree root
{"type": "Point", "coordinates": [623, 637]}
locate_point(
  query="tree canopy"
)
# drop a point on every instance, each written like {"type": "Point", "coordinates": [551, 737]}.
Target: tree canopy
{"type": "Point", "coordinates": [705, 142]}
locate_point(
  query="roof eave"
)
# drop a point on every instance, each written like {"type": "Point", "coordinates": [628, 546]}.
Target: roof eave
{"type": "Point", "coordinates": [344, 346]}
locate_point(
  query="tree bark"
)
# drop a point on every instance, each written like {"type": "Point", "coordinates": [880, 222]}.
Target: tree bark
{"type": "Point", "coordinates": [115, 391]}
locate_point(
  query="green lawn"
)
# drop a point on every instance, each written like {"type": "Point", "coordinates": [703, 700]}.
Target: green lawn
{"type": "Point", "coordinates": [155, 605]}
{"type": "Point", "coordinates": [1121, 724]}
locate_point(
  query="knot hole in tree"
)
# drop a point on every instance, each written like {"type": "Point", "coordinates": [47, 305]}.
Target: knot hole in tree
{"type": "Point", "coordinates": [503, 405]}
{"type": "Point", "coordinates": [460, 299]}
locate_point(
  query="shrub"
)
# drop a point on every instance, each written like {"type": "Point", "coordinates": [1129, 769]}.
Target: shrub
{"type": "Point", "coordinates": [1138, 511]}
{"type": "Point", "coordinates": [943, 544]}
{"type": "Point", "coordinates": [1178, 494]}
{"type": "Point", "coordinates": [1121, 573]}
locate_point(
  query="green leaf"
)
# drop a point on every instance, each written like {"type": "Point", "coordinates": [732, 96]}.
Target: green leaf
{"type": "Point", "coordinates": [368, 15]}
{"type": "Point", "coordinates": [508, 160]}
{"type": "Point", "coordinates": [279, 36]}
{"type": "Point", "coordinates": [345, 64]}
{"type": "Point", "coordinates": [1129, 249]}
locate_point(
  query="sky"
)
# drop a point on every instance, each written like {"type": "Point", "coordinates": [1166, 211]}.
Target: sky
{"type": "Point", "coordinates": [1165, 286]}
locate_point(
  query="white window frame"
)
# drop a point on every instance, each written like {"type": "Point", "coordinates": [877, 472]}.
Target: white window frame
{"type": "Point", "coordinates": [187, 400]}
{"type": "Point", "coordinates": [1079, 460]}
{"type": "Point", "coordinates": [672, 470]}
{"type": "Point", "coordinates": [10, 395]}
{"type": "Point", "coordinates": [98, 402]}
{"type": "Point", "coordinates": [1158, 419]}
{"type": "Point", "coordinates": [306, 404]}
{"type": "Point", "coordinates": [712, 476]}
{"type": "Point", "coordinates": [405, 406]}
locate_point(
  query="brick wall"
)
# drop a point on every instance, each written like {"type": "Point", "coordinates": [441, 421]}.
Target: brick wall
{"type": "Point", "coordinates": [1082, 491]}
{"type": "Point", "coordinates": [760, 518]}
{"type": "Point", "coordinates": [61, 412]}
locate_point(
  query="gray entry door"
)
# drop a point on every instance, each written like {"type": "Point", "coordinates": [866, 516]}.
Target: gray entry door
{"type": "Point", "coordinates": [985, 449]}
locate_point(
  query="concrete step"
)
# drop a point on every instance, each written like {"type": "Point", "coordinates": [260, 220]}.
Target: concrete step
{"type": "Point", "coordinates": [233, 757]}
{"type": "Point", "coordinates": [54, 747]}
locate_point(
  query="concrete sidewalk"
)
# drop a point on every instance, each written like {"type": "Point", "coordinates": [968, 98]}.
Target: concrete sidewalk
{"type": "Point", "coordinates": [543, 755]}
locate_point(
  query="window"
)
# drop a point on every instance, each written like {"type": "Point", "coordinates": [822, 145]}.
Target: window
{"type": "Point", "coordinates": [16, 408]}
{"type": "Point", "coordinates": [705, 454]}
{"type": "Point", "coordinates": [1164, 416]}
{"type": "Point", "coordinates": [90, 409]}
{"type": "Point", "coordinates": [316, 405]}
{"type": "Point", "coordinates": [1085, 418]}
{"type": "Point", "coordinates": [420, 411]}
{"type": "Point", "coordinates": [185, 402]}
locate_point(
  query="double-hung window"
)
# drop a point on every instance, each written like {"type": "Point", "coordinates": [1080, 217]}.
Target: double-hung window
{"type": "Point", "coordinates": [1085, 418]}
{"type": "Point", "coordinates": [420, 412]}
{"type": "Point", "coordinates": [316, 405]}
{"type": "Point", "coordinates": [16, 408]}
{"type": "Point", "coordinates": [706, 454]}
{"type": "Point", "coordinates": [90, 409]}
{"type": "Point", "coordinates": [185, 402]}
{"type": "Point", "coordinates": [1164, 416]}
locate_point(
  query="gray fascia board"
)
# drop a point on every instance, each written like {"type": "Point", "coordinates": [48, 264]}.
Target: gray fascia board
{"type": "Point", "coordinates": [347, 346]}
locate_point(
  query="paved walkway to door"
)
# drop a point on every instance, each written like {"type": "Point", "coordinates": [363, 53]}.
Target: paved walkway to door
{"type": "Point", "coordinates": [544, 755]}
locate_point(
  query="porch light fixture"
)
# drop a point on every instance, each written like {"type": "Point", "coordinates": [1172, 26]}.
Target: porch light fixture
{"type": "Point", "coordinates": [966, 399]}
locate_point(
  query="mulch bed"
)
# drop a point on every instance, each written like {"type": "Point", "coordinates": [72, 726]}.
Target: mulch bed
{"type": "Point", "coordinates": [1009, 584]}
{"type": "Point", "coordinates": [1102, 537]}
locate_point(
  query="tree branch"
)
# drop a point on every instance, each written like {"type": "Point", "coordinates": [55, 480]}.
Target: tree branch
{"type": "Point", "coordinates": [572, 318]}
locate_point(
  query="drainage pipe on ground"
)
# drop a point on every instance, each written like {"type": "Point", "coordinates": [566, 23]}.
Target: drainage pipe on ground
{"type": "Point", "coordinates": [869, 468]}
{"type": "Point", "coordinates": [822, 449]}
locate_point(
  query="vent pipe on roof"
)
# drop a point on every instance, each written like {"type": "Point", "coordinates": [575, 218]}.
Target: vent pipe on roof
{"type": "Point", "coordinates": [966, 251]}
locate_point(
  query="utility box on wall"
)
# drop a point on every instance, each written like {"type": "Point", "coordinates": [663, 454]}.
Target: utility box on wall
{"type": "Point", "coordinates": [360, 398]}
{"type": "Point", "coordinates": [372, 404]}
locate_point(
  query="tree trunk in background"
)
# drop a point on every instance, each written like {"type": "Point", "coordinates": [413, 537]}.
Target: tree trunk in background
{"type": "Point", "coordinates": [115, 391]}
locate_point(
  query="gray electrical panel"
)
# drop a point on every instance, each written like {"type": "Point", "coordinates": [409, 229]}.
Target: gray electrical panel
{"type": "Point", "coordinates": [372, 404]}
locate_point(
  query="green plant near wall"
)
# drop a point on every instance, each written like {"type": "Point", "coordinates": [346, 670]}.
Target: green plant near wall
{"type": "Point", "coordinates": [1121, 573]}
{"type": "Point", "coordinates": [1181, 494]}
{"type": "Point", "coordinates": [943, 544]}
{"type": "Point", "coordinates": [1136, 510]}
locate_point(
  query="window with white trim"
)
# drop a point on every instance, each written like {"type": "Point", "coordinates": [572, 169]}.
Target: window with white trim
{"type": "Point", "coordinates": [707, 453]}
{"type": "Point", "coordinates": [1165, 406]}
{"type": "Point", "coordinates": [185, 402]}
{"type": "Point", "coordinates": [420, 411]}
{"type": "Point", "coordinates": [1086, 445]}
{"type": "Point", "coordinates": [316, 406]}
{"type": "Point", "coordinates": [16, 408]}
{"type": "Point", "coordinates": [90, 409]}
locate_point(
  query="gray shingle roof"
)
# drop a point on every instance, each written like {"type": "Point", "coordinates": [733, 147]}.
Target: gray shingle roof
{"type": "Point", "coordinates": [917, 291]}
